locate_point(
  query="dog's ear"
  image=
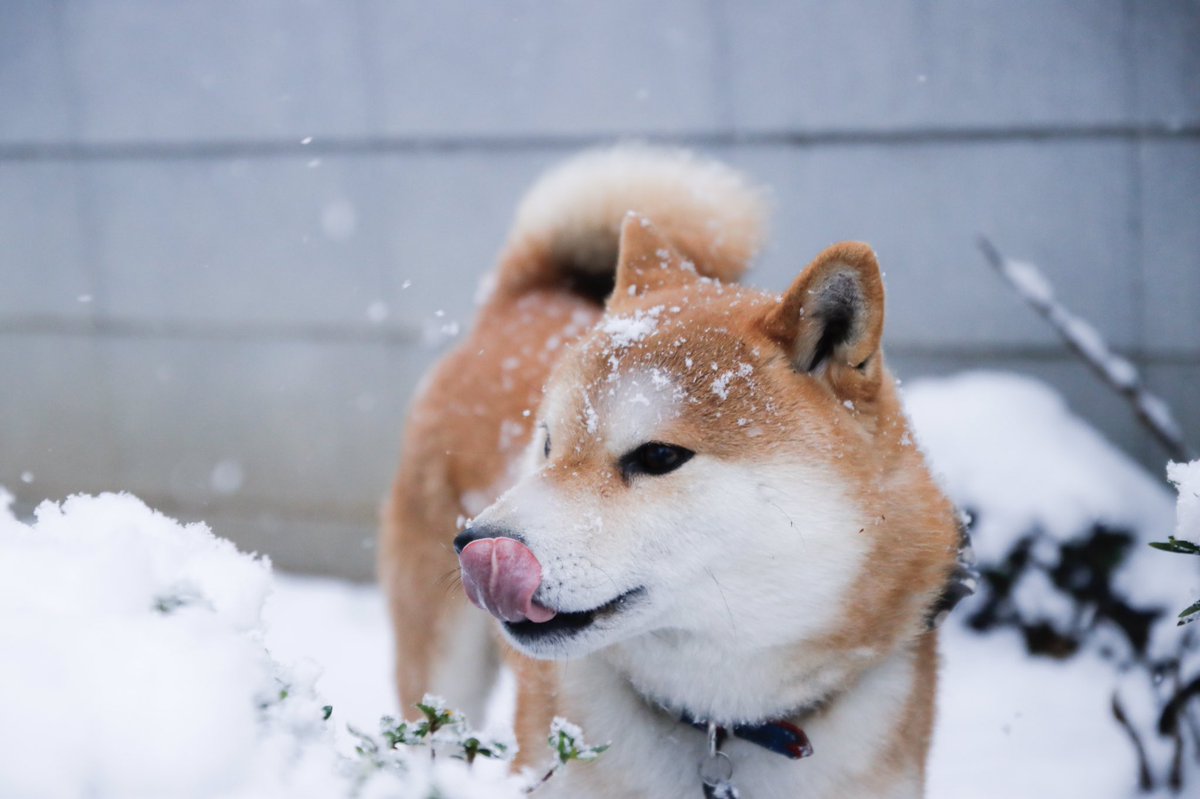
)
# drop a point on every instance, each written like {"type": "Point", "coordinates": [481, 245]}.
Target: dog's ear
{"type": "Point", "coordinates": [646, 261]}
{"type": "Point", "coordinates": [831, 319]}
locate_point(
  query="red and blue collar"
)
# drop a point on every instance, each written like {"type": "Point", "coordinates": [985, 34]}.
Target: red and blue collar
{"type": "Point", "coordinates": [780, 737]}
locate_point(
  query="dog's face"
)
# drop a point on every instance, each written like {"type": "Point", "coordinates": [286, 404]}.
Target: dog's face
{"type": "Point", "coordinates": [707, 461]}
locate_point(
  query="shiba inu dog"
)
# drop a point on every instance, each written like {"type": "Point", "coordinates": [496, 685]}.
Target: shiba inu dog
{"type": "Point", "coordinates": [694, 508]}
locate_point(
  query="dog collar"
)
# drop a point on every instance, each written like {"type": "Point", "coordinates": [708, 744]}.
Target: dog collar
{"type": "Point", "coordinates": [780, 737]}
{"type": "Point", "coordinates": [716, 769]}
{"type": "Point", "coordinates": [961, 583]}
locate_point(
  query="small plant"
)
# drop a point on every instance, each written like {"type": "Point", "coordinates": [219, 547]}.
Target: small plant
{"type": "Point", "coordinates": [473, 747]}
{"type": "Point", "coordinates": [446, 732]}
{"type": "Point", "coordinates": [1180, 547]}
{"type": "Point", "coordinates": [438, 728]}
{"type": "Point", "coordinates": [566, 739]}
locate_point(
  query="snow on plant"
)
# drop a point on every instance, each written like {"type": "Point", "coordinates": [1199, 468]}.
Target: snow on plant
{"type": "Point", "coordinates": [444, 736]}
{"type": "Point", "coordinates": [1086, 341]}
{"type": "Point", "coordinates": [1186, 477]}
{"type": "Point", "coordinates": [134, 665]}
{"type": "Point", "coordinates": [438, 730]}
{"type": "Point", "coordinates": [1186, 541]}
{"type": "Point", "coordinates": [566, 739]}
{"type": "Point", "coordinates": [430, 757]}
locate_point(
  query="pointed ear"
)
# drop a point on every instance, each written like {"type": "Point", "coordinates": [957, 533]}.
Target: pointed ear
{"type": "Point", "coordinates": [832, 316]}
{"type": "Point", "coordinates": [646, 261]}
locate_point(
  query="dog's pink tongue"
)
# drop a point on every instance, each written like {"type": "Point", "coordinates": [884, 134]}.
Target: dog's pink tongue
{"type": "Point", "coordinates": [501, 575]}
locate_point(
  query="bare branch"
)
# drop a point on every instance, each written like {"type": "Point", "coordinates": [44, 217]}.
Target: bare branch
{"type": "Point", "coordinates": [1086, 342]}
{"type": "Point", "coordinates": [1145, 778]}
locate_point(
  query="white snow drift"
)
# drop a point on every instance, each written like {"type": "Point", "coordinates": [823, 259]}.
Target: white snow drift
{"type": "Point", "coordinates": [133, 664]}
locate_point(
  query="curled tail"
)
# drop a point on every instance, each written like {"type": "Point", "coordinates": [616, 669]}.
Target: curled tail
{"type": "Point", "coordinates": [567, 225]}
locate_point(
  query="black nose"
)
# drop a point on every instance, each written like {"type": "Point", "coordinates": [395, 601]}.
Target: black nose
{"type": "Point", "coordinates": [477, 532]}
{"type": "Point", "coordinates": [465, 537]}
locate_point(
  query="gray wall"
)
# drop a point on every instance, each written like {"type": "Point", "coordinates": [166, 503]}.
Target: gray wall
{"type": "Point", "coordinates": [198, 306]}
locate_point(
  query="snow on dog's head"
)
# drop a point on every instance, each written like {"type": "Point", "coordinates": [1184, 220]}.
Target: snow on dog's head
{"type": "Point", "coordinates": [727, 469]}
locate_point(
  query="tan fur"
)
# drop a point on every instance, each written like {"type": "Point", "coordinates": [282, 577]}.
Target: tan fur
{"type": "Point", "coordinates": [473, 417]}
{"type": "Point", "coordinates": [575, 212]}
{"type": "Point", "coordinates": [468, 428]}
{"type": "Point", "coordinates": [463, 433]}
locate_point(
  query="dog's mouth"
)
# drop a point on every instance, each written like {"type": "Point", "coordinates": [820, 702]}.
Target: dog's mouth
{"type": "Point", "coordinates": [568, 624]}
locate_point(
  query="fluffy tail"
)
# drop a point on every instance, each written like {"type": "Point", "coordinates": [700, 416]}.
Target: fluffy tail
{"type": "Point", "coordinates": [567, 226]}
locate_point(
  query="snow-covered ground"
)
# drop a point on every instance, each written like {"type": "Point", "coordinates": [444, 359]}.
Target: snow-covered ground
{"type": "Point", "coordinates": [141, 657]}
{"type": "Point", "coordinates": [144, 658]}
{"type": "Point", "coordinates": [1008, 727]}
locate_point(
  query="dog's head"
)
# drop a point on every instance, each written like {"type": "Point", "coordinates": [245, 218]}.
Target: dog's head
{"type": "Point", "coordinates": [717, 461]}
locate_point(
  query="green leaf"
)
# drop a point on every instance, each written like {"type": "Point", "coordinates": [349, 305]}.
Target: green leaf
{"type": "Point", "coordinates": [1173, 544]}
{"type": "Point", "coordinates": [169, 604]}
{"type": "Point", "coordinates": [1190, 613]}
{"type": "Point", "coordinates": [397, 733]}
{"type": "Point", "coordinates": [473, 747]}
{"type": "Point", "coordinates": [366, 746]}
{"type": "Point", "coordinates": [436, 716]}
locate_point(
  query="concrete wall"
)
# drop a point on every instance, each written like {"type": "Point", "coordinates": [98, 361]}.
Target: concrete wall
{"type": "Point", "coordinates": [232, 233]}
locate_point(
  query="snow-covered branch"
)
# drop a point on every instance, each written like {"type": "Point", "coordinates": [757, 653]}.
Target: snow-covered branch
{"type": "Point", "coordinates": [1085, 341]}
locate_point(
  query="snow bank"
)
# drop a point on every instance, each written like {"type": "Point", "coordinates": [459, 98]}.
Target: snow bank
{"type": "Point", "coordinates": [1061, 521]}
{"type": "Point", "coordinates": [1010, 453]}
{"type": "Point", "coordinates": [338, 631]}
{"type": "Point", "coordinates": [130, 666]}
{"type": "Point", "coordinates": [133, 665]}
{"type": "Point", "coordinates": [1008, 450]}
{"type": "Point", "coordinates": [1009, 725]}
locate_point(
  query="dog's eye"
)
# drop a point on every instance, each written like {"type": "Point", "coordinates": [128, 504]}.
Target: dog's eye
{"type": "Point", "coordinates": [546, 446]}
{"type": "Point", "coordinates": [654, 458]}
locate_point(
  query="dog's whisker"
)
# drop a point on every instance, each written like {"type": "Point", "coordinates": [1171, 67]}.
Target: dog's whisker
{"type": "Point", "coordinates": [616, 586]}
{"type": "Point", "coordinates": [732, 622]}
{"type": "Point", "coordinates": [791, 521]}
{"type": "Point", "coordinates": [450, 580]}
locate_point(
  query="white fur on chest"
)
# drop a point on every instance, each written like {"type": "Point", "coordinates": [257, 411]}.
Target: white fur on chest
{"type": "Point", "coordinates": [655, 756]}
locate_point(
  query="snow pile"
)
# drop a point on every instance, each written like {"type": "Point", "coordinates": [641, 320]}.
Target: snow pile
{"type": "Point", "coordinates": [134, 665]}
{"type": "Point", "coordinates": [1008, 450]}
{"type": "Point", "coordinates": [337, 630]}
{"type": "Point", "coordinates": [1030, 474]}
{"type": "Point", "coordinates": [1011, 726]}
{"type": "Point", "coordinates": [1061, 523]}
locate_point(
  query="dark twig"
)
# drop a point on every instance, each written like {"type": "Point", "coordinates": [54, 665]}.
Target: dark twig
{"type": "Point", "coordinates": [545, 778]}
{"type": "Point", "coordinates": [1168, 721]}
{"type": "Point", "coordinates": [1145, 780]}
{"type": "Point", "coordinates": [1083, 339]}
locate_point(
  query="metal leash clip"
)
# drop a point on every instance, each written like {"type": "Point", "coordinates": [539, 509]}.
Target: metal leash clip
{"type": "Point", "coordinates": [716, 769]}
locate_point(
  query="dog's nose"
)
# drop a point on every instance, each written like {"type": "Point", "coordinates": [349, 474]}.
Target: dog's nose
{"type": "Point", "coordinates": [475, 533]}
